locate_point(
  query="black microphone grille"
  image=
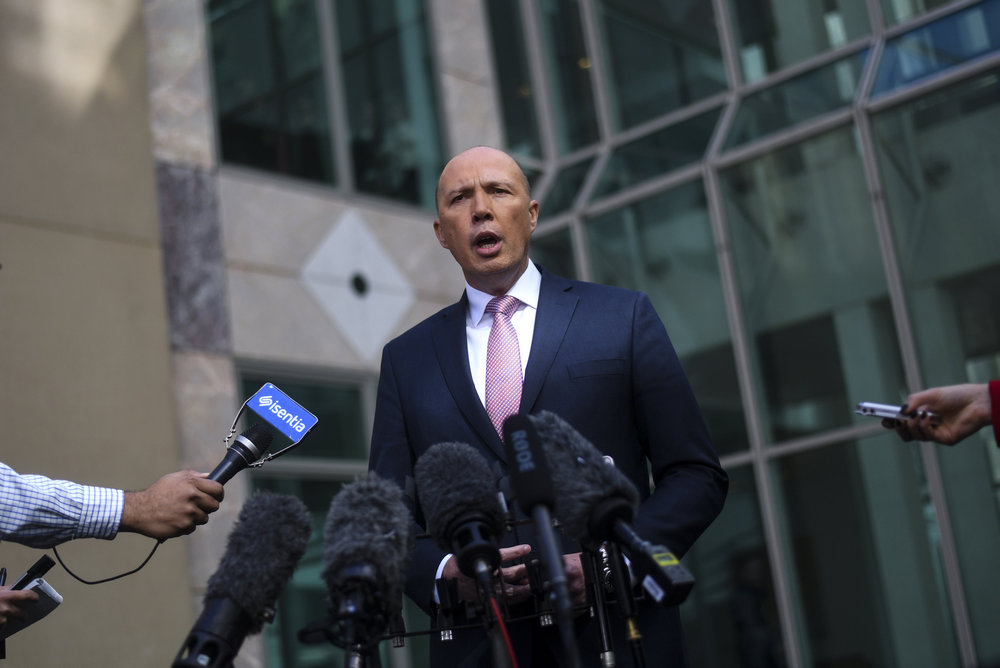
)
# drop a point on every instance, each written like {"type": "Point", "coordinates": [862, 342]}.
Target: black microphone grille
{"type": "Point", "coordinates": [454, 484]}
{"type": "Point", "coordinates": [263, 549]}
{"type": "Point", "coordinates": [257, 439]}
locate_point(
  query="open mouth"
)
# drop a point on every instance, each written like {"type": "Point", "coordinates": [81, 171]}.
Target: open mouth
{"type": "Point", "coordinates": [487, 241]}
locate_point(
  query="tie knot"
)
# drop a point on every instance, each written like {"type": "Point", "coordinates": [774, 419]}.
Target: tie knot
{"type": "Point", "coordinates": [505, 305]}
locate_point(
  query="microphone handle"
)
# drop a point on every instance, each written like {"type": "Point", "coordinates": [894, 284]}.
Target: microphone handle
{"type": "Point", "coordinates": [665, 579]}
{"type": "Point", "coordinates": [216, 637]}
{"type": "Point", "coordinates": [231, 464]}
{"type": "Point", "coordinates": [557, 581]}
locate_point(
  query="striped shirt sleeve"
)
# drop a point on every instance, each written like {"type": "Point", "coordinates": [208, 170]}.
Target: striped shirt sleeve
{"type": "Point", "coordinates": [40, 512]}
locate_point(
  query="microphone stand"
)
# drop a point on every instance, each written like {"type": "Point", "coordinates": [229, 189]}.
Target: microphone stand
{"type": "Point", "coordinates": [626, 600]}
{"type": "Point", "coordinates": [589, 561]}
{"type": "Point", "coordinates": [491, 615]}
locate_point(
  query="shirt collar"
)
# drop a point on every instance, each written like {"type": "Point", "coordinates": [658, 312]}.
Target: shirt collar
{"type": "Point", "coordinates": [526, 290]}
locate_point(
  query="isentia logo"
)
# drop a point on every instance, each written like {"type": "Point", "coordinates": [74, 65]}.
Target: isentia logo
{"type": "Point", "coordinates": [292, 419]}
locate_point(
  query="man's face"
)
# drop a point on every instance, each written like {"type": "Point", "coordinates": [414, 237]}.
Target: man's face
{"type": "Point", "coordinates": [485, 218]}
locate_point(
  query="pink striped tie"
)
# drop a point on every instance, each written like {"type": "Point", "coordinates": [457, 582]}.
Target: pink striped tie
{"type": "Point", "coordinates": [503, 363]}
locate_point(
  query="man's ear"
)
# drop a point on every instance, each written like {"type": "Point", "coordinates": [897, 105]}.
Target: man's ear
{"type": "Point", "coordinates": [439, 234]}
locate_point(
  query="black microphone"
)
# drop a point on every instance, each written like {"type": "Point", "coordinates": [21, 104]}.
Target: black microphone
{"type": "Point", "coordinates": [369, 536]}
{"type": "Point", "coordinates": [596, 502]}
{"type": "Point", "coordinates": [458, 496]}
{"type": "Point", "coordinates": [529, 471]}
{"type": "Point", "coordinates": [246, 448]}
{"type": "Point", "coordinates": [265, 545]}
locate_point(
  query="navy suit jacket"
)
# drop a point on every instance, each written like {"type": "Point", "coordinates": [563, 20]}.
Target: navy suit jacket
{"type": "Point", "coordinates": [600, 359]}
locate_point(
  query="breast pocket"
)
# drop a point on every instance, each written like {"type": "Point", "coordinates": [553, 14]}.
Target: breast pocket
{"type": "Point", "coordinates": [596, 369]}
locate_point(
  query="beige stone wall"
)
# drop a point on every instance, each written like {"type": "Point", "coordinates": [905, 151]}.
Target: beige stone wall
{"type": "Point", "coordinates": [85, 373]}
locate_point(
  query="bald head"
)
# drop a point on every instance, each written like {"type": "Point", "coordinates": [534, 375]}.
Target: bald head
{"type": "Point", "coordinates": [477, 155]}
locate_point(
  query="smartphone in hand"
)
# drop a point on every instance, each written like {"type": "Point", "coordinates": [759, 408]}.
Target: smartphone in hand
{"type": "Point", "coordinates": [872, 409]}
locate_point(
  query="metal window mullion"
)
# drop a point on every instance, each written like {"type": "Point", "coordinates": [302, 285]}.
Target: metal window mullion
{"type": "Point", "coordinates": [339, 128]}
{"type": "Point", "coordinates": [751, 411]}
{"type": "Point", "coordinates": [911, 365]}
{"type": "Point", "coordinates": [539, 79]}
{"type": "Point", "coordinates": [934, 82]}
{"type": "Point", "coordinates": [598, 77]}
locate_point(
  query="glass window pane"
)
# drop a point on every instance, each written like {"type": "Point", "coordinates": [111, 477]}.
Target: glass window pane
{"type": "Point", "coordinates": [656, 154]}
{"type": "Point", "coordinates": [569, 75]}
{"type": "Point", "coordinates": [269, 87]}
{"type": "Point", "coordinates": [339, 434]}
{"type": "Point", "coordinates": [731, 617]}
{"type": "Point", "coordinates": [863, 556]}
{"type": "Point", "coordinates": [773, 34]}
{"type": "Point", "coordinates": [797, 100]}
{"type": "Point", "coordinates": [663, 245]}
{"type": "Point", "coordinates": [662, 55]}
{"type": "Point", "coordinates": [555, 252]}
{"type": "Point", "coordinates": [939, 46]}
{"type": "Point", "coordinates": [812, 286]}
{"type": "Point", "coordinates": [391, 106]}
{"type": "Point", "coordinates": [565, 188]}
{"type": "Point", "coordinates": [897, 11]}
{"type": "Point", "coordinates": [939, 170]}
{"type": "Point", "coordinates": [510, 60]}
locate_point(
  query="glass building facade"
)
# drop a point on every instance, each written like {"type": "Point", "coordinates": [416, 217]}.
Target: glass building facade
{"type": "Point", "coordinates": [805, 189]}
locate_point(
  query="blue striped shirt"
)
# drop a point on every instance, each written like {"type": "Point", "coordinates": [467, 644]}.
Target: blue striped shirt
{"type": "Point", "coordinates": [39, 512]}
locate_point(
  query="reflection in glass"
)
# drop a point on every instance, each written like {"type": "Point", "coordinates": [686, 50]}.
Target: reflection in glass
{"type": "Point", "coordinates": [773, 34]}
{"type": "Point", "coordinates": [569, 75]}
{"type": "Point", "coordinates": [566, 188]}
{"type": "Point", "coordinates": [937, 160]}
{"type": "Point", "coordinates": [656, 154]}
{"type": "Point", "coordinates": [391, 105]}
{"type": "Point", "coordinates": [269, 91]}
{"type": "Point", "coordinates": [510, 61]}
{"type": "Point", "coordinates": [663, 245]}
{"type": "Point", "coordinates": [864, 556]}
{"type": "Point", "coordinates": [339, 434]}
{"type": "Point", "coordinates": [811, 280]}
{"type": "Point", "coordinates": [662, 55]}
{"type": "Point", "coordinates": [797, 100]}
{"type": "Point", "coordinates": [731, 618]}
{"type": "Point", "coordinates": [939, 46]}
{"type": "Point", "coordinates": [554, 252]}
{"type": "Point", "coordinates": [897, 11]}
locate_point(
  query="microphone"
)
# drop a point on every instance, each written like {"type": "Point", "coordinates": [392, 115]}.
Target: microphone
{"type": "Point", "coordinates": [458, 496]}
{"type": "Point", "coordinates": [246, 448]}
{"type": "Point", "coordinates": [265, 545]}
{"type": "Point", "coordinates": [533, 488]}
{"type": "Point", "coordinates": [369, 536]}
{"type": "Point", "coordinates": [597, 502]}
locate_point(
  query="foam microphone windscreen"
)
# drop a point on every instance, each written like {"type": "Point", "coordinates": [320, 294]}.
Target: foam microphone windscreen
{"type": "Point", "coordinates": [581, 478]}
{"type": "Point", "coordinates": [369, 524]}
{"type": "Point", "coordinates": [454, 485]}
{"type": "Point", "coordinates": [263, 549]}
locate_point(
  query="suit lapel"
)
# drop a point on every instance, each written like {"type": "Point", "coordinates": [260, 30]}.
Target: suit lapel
{"type": "Point", "coordinates": [452, 352]}
{"type": "Point", "coordinates": [556, 304]}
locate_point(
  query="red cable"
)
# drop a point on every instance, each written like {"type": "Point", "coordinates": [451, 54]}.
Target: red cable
{"type": "Point", "coordinates": [503, 630]}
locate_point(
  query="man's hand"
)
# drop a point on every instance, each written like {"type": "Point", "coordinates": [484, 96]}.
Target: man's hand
{"type": "Point", "coordinates": [513, 579]}
{"type": "Point", "coordinates": [575, 579]}
{"type": "Point", "coordinates": [172, 506]}
{"type": "Point", "coordinates": [11, 602]}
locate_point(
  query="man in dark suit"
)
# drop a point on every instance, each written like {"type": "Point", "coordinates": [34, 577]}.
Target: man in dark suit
{"type": "Point", "coordinates": [599, 357]}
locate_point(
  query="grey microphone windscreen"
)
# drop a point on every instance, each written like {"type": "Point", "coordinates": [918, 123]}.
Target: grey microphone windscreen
{"type": "Point", "coordinates": [454, 484]}
{"type": "Point", "coordinates": [263, 549]}
{"type": "Point", "coordinates": [582, 479]}
{"type": "Point", "coordinates": [369, 524]}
